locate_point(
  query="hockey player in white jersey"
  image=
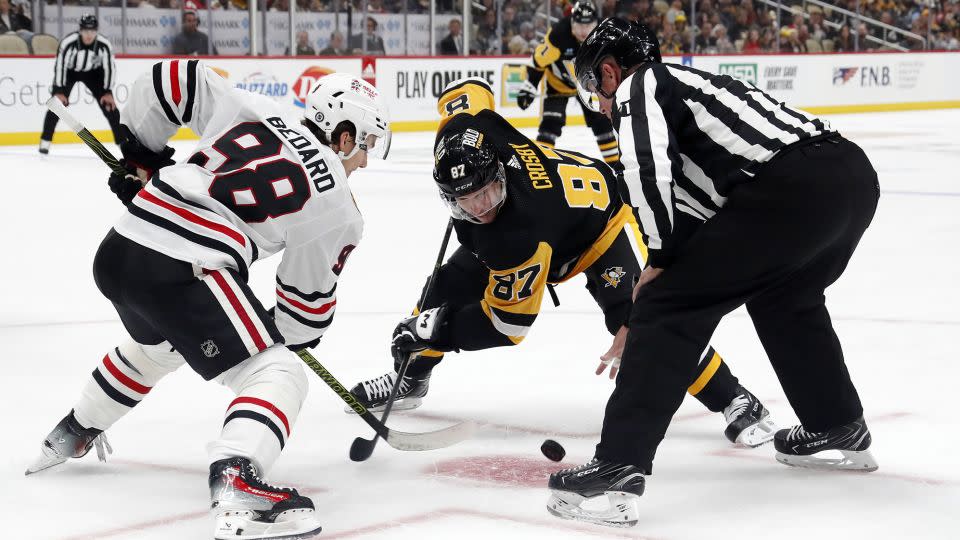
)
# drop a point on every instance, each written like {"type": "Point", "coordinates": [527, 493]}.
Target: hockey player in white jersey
{"type": "Point", "coordinates": [175, 267]}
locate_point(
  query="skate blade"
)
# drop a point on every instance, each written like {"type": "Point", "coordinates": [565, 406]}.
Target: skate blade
{"type": "Point", "coordinates": [43, 463]}
{"type": "Point", "coordinates": [290, 525]}
{"type": "Point", "coordinates": [404, 404]}
{"type": "Point", "coordinates": [758, 434]}
{"type": "Point", "coordinates": [850, 460]}
{"type": "Point", "coordinates": [621, 511]}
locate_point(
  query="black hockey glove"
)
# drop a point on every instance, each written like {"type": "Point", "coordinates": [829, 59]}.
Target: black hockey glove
{"type": "Point", "coordinates": [526, 95]}
{"type": "Point", "coordinates": [125, 186]}
{"type": "Point", "coordinates": [294, 347]}
{"type": "Point", "coordinates": [138, 155]}
{"type": "Point", "coordinates": [415, 334]}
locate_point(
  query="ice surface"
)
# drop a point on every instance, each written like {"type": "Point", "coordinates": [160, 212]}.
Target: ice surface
{"type": "Point", "coordinates": [896, 310]}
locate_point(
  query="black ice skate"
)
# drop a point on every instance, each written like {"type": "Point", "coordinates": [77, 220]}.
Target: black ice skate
{"type": "Point", "coordinates": [844, 448]}
{"type": "Point", "coordinates": [622, 485]}
{"type": "Point", "coordinates": [748, 421]}
{"type": "Point", "coordinates": [246, 507]}
{"type": "Point", "coordinates": [70, 440]}
{"type": "Point", "coordinates": [373, 394]}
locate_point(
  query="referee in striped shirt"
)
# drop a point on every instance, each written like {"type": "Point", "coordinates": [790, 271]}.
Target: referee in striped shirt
{"type": "Point", "coordinates": [84, 57]}
{"type": "Point", "coordinates": [742, 200]}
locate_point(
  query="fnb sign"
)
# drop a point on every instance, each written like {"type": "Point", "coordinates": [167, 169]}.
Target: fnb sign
{"type": "Point", "coordinates": [744, 72]}
{"type": "Point", "coordinates": [867, 76]}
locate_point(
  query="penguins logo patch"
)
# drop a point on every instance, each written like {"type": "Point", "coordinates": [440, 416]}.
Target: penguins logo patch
{"type": "Point", "coordinates": [613, 275]}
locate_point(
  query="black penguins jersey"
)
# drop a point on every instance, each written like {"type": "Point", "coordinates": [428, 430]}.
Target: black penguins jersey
{"type": "Point", "coordinates": [555, 58]}
{"type": "Point", "coordinates": [562, 211]}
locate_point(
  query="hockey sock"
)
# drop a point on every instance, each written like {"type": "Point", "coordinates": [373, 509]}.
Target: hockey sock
{"type": "Point", "coordinates": [270, 388]}
{"type": "Point", "coordinates": [121, 380]}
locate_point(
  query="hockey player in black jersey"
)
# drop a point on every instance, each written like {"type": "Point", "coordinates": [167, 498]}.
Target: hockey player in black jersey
{"type": "Point", "coordinates": [553, 61]}
{"type": "Point", "coordinates": [528, 217]}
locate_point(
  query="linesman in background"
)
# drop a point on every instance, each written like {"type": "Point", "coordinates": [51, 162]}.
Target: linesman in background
{"type": "Point", "coordinates": [85, 57]}
{"type": "Point", "coordinates": [553, 60]}
{"type": "Point", "coordinates": [781, 201]}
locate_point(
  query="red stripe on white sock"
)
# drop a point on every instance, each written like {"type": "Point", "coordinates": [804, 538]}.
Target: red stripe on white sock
{"type": "Point", "coordinates": [122, 378]}
{"type": "Point", "coordinates": [266, 405]}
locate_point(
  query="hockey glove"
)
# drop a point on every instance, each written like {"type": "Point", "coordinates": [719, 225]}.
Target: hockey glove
{"type": "Point", "coordinates": [141, 157]}
{"type": "Point", "coordinates": [526, 95]}
{"type": "Point", "coordinates": [125, 186]}
{"type": "Point", "coordinates": [294, 346]}
{"type": "Point", "coordinates": [415, 334]}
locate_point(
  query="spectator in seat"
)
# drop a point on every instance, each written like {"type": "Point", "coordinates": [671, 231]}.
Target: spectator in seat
{"type": "Point", "coordinates": [752, 45]}
{"type": "Point", "coordinates": [452, 45]}
{"type": "Point", "coordinates": [190, 40]}
{"type": "Point", "coordinates": [862, 34]}
{"type": "Point", "coordinates": [374, 41]}
{"type": "Point", "coordinates": [303, 45]}
{"type": "Point", "coordinates": [723, 43]}
{"type": "Point", "coordinates": [335, 47]}
{"type": "Point", "coordinates": [525, 42]}
{"type": "Point", "coordinates": [844, 41]}
{"type": "Point", "coordinates": [12, 19]}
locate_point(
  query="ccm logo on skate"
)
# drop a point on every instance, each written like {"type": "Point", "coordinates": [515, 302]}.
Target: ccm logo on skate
{"type": "Point", "coordinates": [588, 471]}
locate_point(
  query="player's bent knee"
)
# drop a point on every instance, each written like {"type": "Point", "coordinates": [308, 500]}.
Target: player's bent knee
{"type": "Point", "coordinates": [153, 362]}
{"type": "Point", "coordinates": [274, 370]}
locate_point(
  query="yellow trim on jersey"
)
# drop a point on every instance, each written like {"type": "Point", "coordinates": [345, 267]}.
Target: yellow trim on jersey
{"type": "Point", "coordinates": [469, 98]}
{"type": "Point", "coordinates": [545, 53]}
{"type": "Point", "coordinates": [581, 159]}
{"type": "Point", "coordinates": [430, 353]}
{"type": "Point", "coordinates": [608, 146]}
{"type": "Point", "coordinates": [622, 219]}
{"type": "Point", "coordinates": [519, 291]}
{"type": "Point", "coordinates": [706, 375]}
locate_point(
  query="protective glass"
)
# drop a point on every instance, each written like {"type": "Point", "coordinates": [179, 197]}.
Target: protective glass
{"type": "Point", "coordinates": [588, 98]}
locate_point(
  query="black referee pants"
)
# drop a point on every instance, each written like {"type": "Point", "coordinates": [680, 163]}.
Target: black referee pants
{"type": "Point", "coordinates": [779, 241]}
{"type": "Point", "coordinates": [93, 80]}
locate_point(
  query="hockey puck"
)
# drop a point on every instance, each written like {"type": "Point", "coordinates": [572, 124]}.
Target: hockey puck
{"type": "Point", "coordinates": [552, 450]}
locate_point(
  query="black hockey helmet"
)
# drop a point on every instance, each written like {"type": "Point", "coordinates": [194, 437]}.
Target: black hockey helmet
{"type": "Point", "coordinates": [88, 21]}
{"type": "Point", "coordinates": [584, 12]}
{"type": "Point", "coordinates": [465, 163]}
{"type": "Point", "coordinates": [629, 43]}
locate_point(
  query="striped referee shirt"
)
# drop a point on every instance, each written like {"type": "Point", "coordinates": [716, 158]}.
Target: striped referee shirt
{"type": "Point", "coordinates": [688, 137]}
{"type": "Point", "coordinates": [74, 57]}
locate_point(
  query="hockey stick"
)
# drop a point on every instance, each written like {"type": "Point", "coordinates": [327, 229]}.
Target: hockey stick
{"type": "Point", "coordinates": [57, 108]}
{"type": "Point", "coordinates": [397, 439]}
{"type": "Point", "coordinates": [400, 440]}
{"type": "Point", "coordinates": [362, 449]}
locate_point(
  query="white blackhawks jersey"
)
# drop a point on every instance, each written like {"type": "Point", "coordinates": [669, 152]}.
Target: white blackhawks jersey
{"type": "Point", "coordinates": [257, 183]}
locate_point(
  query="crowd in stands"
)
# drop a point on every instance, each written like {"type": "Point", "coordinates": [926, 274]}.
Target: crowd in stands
{"type": "Point", "coordinates": [719, 26]}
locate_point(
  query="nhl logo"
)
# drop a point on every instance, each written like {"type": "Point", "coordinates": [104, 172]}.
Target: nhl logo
{"type": "Point", "coordinates": [613, 276]}
{"type": "Point", "coordinates": [209, 348]}
{"type": "Point", "coordinates": [319, 117]}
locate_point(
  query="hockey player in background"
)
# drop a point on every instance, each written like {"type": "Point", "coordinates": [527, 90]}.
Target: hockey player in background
{"type": "Point", "coordinates": [781, 201]}
{"type": "Point", "coordinates": [528, 217]}
{"type": "Point", "coordinates": [553, 60]}
{"type": "Point", "coordinates": [84, 57]}
{"type": "Point", "coordinates": [175, 267]}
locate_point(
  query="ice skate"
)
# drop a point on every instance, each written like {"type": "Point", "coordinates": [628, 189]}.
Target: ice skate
{"type": "Point", "coordinates": [579, 493]}
{"type": "Point", "coordinates": [374, 393]}
{"type": "Point", "coordinates": [748, 421]}
{"type": "Point", "coordinates": [245, 507]}
{"type": "Point", "coordinates": [70, 440]}
{"type": "Point", "coordinates": [843, 448]}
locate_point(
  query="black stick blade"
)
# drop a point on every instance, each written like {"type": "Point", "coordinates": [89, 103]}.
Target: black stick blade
{"type": "Point", "coordinates": [361, 449]}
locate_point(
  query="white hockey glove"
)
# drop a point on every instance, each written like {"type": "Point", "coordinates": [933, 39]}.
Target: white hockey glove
{"type": "Point", "coordinates": [526, 95]}
{"type": "Point", "coordinates": [415, 333]}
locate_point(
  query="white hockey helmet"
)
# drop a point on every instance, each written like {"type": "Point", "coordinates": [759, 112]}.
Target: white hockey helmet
{"type": "Point", "coordinates": [339, 96]}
